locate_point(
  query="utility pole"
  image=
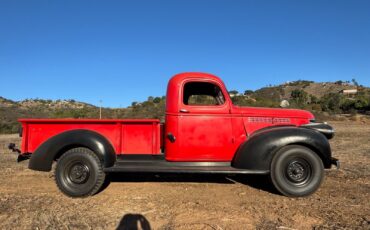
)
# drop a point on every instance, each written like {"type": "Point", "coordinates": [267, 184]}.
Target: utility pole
{"type": "Point", "coordinates": [100, 108]}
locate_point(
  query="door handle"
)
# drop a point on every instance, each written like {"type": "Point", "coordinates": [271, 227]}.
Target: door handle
{"type": "Point", "coordinates": [184, 111]}
{"type": "Point", "coordinates": [171, 137]}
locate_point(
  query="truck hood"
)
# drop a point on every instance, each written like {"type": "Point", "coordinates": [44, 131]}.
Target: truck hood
{"type": "Point", "coordinates": [273, 112]}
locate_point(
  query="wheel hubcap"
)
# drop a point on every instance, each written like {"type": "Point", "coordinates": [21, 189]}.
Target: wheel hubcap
{"type": "Point", "coordinates": [298, 171]}
{"type": "Point", "coordinates": [79, 173]}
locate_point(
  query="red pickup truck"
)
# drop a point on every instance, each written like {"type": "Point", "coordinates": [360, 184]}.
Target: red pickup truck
{"type": "Point", "coordinates": [199, 136]}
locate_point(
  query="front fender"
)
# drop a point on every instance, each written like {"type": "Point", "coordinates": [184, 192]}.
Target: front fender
{"type": "Point", "coordinates": [257, 152]}
{"type": "Point", "coordinates": [42, 159]}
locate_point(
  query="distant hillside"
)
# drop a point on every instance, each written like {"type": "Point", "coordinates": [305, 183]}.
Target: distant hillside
{"type": "Point", "coordinates": [325, 96]}
{"type": "Point", "coordinates": [318, 90]}
{"type": "Point", "coordinates": [317, 97]}
{"type": "Point", "coordinates": [11, 111]}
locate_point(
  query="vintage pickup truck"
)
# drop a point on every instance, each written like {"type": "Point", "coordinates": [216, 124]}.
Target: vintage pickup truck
{"type": "Point", "coordinates": [197, 137]}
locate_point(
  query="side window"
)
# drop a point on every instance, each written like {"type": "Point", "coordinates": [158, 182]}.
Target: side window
{"type": "Point", "coordinates": [202, 93]}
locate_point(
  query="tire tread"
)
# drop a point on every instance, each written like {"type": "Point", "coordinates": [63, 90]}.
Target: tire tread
{"type": "Point", "coordinates": [100, 173]}
{"type": "Point", "coordinates": [275, 180]}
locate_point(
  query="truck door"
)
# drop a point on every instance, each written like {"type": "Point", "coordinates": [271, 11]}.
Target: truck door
{"type": "Point", "coordinates": [204, 123]}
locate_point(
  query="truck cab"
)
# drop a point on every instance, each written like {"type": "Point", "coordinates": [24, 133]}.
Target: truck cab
{"type": "Point", "coordinates": [203, 133]}
{"type": "Point", "coordinates": [207, 126]}
{"type": "Point", "coordinates": [199, 117]}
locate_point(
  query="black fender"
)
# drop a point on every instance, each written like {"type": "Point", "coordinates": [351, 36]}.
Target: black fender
{"type": "Point", "coordinates": [42, 159]}
{"type": "Point", "coordinates": [257, 152]}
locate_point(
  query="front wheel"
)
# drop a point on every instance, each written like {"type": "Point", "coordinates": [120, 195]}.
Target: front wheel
{"type": "Point", "coordinates": [296, 171]}
{"type": "Point", "coordinates": [79, 173]}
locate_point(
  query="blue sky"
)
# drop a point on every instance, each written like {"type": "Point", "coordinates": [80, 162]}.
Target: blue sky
{"type": "Point", "coordinates": [124, 51]}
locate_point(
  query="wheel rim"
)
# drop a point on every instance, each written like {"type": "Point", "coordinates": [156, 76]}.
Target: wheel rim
{"type": "Point", "coordinates": [298, 172]}
{"type": "Point", "coordinates": [78, 173]}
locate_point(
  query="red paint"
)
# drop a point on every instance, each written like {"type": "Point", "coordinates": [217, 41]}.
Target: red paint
{"type": "Point", "coordinates": [203, 132]}
{"type": "Point", "coordinates": [126, 136]}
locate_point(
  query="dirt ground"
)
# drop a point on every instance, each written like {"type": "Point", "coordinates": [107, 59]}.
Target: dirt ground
{"type": "Point", "coordinates": [31, 200]}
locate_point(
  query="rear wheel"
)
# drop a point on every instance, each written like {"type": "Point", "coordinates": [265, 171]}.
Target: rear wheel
{"type": "Point", "coordinates": [296, 171]}
{"type": "Point", "coordinates": [79, 173]}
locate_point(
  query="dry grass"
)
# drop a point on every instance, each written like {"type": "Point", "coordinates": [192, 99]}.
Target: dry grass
{"type": "Point", "coordinates": [30, 200]}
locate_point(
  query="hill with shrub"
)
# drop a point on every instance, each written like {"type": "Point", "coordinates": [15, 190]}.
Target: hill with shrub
{"type": "Point", "coordinates": [326, 97]}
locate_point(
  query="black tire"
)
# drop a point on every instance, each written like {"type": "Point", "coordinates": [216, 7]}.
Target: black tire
{"type": "Point", "coordinates": [296, 171]}
{"type": "Point", "coordinates": [79, 173]}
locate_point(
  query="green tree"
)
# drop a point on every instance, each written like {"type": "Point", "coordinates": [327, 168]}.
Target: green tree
{"type": "Point", "coordinates": [248, 92]}
{"type": "Point", "coordinates": [361, 103]}
{"type": "Point", "coordinates": [233, 92]}
{"type": "Point", "coordinates": [348, 106]}
{"type": "Point", "coordinates": [300, 97]}
{"type": "Point", "coordinates": [354, 82]}
{"type": "Point", "coordinates": [331, 102]}
{"type": "Point", "coordinates": [157, 100]}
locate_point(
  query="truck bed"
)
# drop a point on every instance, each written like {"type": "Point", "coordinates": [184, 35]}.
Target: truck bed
{"type": "Point", "coordinates": [127, 136]}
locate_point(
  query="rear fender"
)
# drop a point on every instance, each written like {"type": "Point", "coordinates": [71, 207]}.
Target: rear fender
{"type": "Point", "coordinates": [42, 159]}
{"type": "Point", "coordinates": [257, 152]}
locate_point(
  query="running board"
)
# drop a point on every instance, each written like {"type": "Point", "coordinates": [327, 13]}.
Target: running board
{"type": "Point", "coordinates": [162, 166]}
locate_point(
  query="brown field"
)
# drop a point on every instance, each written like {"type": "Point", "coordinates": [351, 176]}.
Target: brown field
{"type": "Point", "coordinates": [31, 200]}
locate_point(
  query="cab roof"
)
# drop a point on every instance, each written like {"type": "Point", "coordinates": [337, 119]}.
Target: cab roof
{"type": "Point", "coordinates": [175, 83]}
{"type": "Point", "coordinates": [178, 78]}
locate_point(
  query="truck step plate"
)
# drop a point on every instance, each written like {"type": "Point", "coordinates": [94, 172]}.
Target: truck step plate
{"type": "Point", "coordinates": [161, 166]}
